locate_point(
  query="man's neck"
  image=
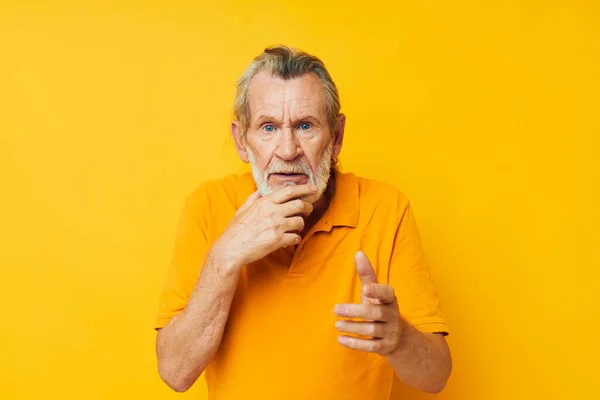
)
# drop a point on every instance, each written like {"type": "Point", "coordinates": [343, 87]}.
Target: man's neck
{"type": "Point", "coordinates": [320, 206]}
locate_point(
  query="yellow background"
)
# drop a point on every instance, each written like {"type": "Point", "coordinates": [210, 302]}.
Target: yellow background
{"type": "Point", "coordinates": [485, 113]}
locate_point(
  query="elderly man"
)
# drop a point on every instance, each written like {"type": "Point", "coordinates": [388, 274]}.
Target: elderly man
{"type": "Point", "coordinates": [298, 281]}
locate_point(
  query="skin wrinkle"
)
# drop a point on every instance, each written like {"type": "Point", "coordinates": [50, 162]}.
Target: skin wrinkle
{"type": "Point", "coordinates": [249, 236]}
{"type": "Point", "coordinates": [284, 104]}
{"type": "Point", "coordinates": [419, 359]}
{"type": "Point", "coordinates": [418, 352]}
{"type": "Point", "coordinates": [189, 341]}
{"type": "Point", "coordinates": [320, 178]}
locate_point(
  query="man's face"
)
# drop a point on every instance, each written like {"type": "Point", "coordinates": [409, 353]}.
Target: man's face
{"type": "Point", "coordinates": [288, 141]}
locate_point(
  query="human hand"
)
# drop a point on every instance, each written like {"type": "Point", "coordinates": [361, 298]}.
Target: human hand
{"type": "Point", "coordinates": [381, 321]}
{"type": "Point", "coordinates": [264, 224]}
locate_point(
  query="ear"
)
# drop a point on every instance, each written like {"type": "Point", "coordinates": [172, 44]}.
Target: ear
{"type": "Point", "coordinates": [339, 136]}
{"type": "Point", "coordinates": [239, 140]}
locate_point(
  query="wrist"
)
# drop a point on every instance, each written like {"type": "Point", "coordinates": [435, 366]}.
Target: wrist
{"type": "Point", "coordinates": [227, 264]}
{"type": "Point", "coordinates": [404, 330]}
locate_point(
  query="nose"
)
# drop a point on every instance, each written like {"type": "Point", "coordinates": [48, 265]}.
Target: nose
{"type": "Point", "coordinates": [288, 147]}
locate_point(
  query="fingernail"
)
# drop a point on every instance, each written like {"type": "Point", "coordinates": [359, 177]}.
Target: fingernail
{"type": "Point", "coordinates": [338, 324]}
{"type": "Point", "coordinates": [337, 309]}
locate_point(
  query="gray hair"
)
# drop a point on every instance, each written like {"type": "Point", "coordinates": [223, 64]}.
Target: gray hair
{"type": "Point", "coordinates": [286, 63]}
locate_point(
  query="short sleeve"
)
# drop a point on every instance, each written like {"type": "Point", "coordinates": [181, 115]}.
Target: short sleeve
{"type": "Point", "coordinates": [191, 246]}
{"type": "Point", "coordinates": [410, 277]}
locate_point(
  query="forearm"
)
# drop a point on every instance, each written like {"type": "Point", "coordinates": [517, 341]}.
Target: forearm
{"type": "Point", "coordinates": [187, 344]}
{"type": "Point", "coordinates": [422, 360]}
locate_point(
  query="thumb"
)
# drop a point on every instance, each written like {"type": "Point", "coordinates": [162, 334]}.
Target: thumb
{"type": "Point", "coordinates": [364, 269]}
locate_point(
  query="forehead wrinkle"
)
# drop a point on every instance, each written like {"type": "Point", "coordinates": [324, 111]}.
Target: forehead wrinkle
{"type": "Point", "coordinates": [265, 96]}
{"type": "Point", "coordinates": [264, 108]}
{"type": "Point", "coordinates": [307, 108]}
{"type": "Point", "coordinates": [287, 100]}
{"type": "Point", "coordinates": [307, 103]}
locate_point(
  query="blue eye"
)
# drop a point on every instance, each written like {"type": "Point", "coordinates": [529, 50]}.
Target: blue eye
{"type": "Point", "coordinates": [305, 126]}
{"type": "Point", "coordinates": [269, 128]}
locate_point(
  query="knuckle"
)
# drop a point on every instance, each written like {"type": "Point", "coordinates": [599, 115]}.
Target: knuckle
{"type": "Point", "coordinates": [375, 346]}
{"type": "Point", "coordinates": [379, 314]}
{"type": "Point", "coordinates": [389, 332]}
{"type": "Point", "coordinates": [394, 343]}
{"type": "Point", "coordinates": [270, 220]}
{"type": "Point", "coordinates": [299, 204]}
{"type": "Point", "coordinates": [294, 239]}
{"type": "Point", "coordinates": [261, 203]}
{"type": "Point", "coordinates": [272, 235]}
{"type": "Point", "coordinates": [391, 292]}
{"type": "Point", "coordinates": [279, 221]}
{"type": "Point", "coordinates": [372, 330]}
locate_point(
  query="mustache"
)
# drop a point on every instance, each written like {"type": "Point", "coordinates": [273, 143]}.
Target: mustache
{"type": "Point", "coordinates": [287, 168]}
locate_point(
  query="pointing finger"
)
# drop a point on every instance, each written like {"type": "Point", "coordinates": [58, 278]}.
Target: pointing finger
{"type": "Point", "coordinates": [364, 269]}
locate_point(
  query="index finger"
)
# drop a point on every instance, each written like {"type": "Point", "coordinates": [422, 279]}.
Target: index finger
{"type": "Point", "coordinates": [364, 269]}
{"type": "Point", "coordinates": [288, 193]}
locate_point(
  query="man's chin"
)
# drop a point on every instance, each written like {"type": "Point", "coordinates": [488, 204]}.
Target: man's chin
{"type": "Point", "coordinates": [312, 198]}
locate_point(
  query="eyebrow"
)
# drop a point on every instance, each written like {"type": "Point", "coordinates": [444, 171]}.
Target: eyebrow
{"type": "Point", "coordinates": [269, 118]}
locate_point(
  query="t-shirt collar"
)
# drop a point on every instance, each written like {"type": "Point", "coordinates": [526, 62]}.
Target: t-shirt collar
{"type": "Point", "coordinates": [343, 208]}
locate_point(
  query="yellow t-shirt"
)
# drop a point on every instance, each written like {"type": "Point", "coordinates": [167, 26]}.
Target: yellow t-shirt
{"type": "Point", "coordinates": [280, 341]}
